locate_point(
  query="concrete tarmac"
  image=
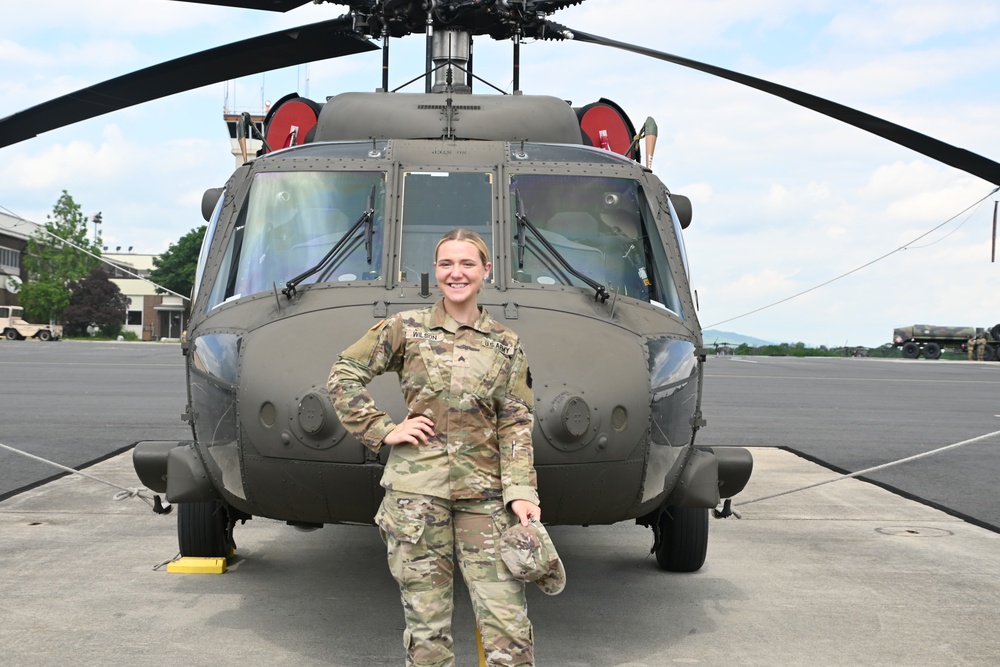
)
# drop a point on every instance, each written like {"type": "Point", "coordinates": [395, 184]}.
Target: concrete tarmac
{"type": "Point", "coordinates": [843, 574]}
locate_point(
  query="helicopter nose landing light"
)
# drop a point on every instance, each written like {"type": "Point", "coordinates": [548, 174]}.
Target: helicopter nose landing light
{"type": "Point", "coordinates": [312, 415]}
{"type": "Point", "coordinates": [313, 422]}
{"type": "Point", "coordinates": [575, 417]}
{"type": "Point", "coordinates": [566, 418]}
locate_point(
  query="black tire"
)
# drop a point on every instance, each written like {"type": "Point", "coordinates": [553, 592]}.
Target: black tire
{"type": "Point", "coordinates": [203, 530]}
{"type": "Point", "coordinates": [990, 353]}
{"type": "Point", "coordinates": [910, 350]}
{"type": "Point", "coordinates": [932, 351]}
{"type": "Point", "coordinates": [45, 335]}
{"type": "Point", "coordinates": [11, 334]}
{"type": "Point", "coordinates": [683, 539]}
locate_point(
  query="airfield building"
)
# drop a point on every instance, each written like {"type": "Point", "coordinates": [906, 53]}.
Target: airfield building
{"type": "Point", "coordinates": [151, 316]}
{"type": "Point", "coordinates": [14, 235]}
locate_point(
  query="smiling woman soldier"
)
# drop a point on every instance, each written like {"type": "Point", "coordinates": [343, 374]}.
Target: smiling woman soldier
{"type": "Point", "coordinates": [460, 469]}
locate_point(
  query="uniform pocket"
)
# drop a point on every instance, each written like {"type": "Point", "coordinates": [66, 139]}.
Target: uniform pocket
{"type": "Point", "coordinates": [425, 368]}
{"type": "Point", "coordinates": [491, 371]}
{"type": "Point", "coordinates": [400, 519]}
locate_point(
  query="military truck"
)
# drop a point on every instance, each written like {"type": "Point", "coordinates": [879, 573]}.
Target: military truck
{"type": "Point", "coordinates": [15, 327]}
{"type": "Point", "coordinates": [929, 340]}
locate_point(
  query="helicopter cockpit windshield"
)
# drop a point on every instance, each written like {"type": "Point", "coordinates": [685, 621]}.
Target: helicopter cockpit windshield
{"type": "Point", "coordinates": [433, 203]}
{"type": "Point", "coordinates": [601, 226]}
{"type": "Point", "coordinates": [291, 220]}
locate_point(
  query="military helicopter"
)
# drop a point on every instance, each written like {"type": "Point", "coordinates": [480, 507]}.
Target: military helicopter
{"type": "Point", "coordinates": [333, 226]}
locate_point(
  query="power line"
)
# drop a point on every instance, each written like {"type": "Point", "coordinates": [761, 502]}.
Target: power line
{"type": "Point", "coordinates": [37, 227]}
{"type": "Point", "coordinates": [905, 246]}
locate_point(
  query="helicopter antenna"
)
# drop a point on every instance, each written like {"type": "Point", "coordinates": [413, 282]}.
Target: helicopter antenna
{"type": "Point", "coordinates": [385, 56]}
{"type": "Point", "coordinates": [430, 47]}
{"type": "Point", "coordinates": [468, 72]}
{"type": "Point", "coordinates": [517, 60]}
{"type": "Point", "coordinates": [614, 302]}
{"type": "Point", "coordinates": [450, 115]}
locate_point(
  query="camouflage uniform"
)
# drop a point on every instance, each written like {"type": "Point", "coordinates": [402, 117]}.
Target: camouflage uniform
{"type": "Point", "coordinates": [970, 347]}
{"type": "Point", "coordinates": [450, 494]}
{"type": "Point", "coordinates": [980, 347]}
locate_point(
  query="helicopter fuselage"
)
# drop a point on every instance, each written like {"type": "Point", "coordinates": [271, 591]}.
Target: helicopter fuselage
{"type": "Point", "coordinates": [310, 246]}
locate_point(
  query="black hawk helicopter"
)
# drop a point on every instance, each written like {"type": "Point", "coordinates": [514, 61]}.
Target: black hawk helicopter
{"type": "Point", "coordinates": [333, 227]}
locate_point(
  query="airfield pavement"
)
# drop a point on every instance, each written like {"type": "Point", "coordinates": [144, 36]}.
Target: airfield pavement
{"type": "Point", "coordinates": [843, 574]}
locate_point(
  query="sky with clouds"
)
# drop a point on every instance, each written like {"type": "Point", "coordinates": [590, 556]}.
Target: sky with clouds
{"type": "Point", "coordinates": [785, 200]}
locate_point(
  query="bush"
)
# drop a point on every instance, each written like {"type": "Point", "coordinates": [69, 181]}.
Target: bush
{"type": "Point", "coordinates": [96, 302]}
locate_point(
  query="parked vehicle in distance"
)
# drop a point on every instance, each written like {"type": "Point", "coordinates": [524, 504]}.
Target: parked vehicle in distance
{"type": "Point", "coordinates": [15, 327]}
{"type": "Point", "coordinates": [929, 340]}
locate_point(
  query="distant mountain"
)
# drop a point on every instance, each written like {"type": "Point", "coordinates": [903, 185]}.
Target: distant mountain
{"type": "Point", "coordinates": [713, 336]}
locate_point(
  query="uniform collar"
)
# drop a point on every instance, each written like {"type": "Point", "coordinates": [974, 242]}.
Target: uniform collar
{"type": "Point", "coordinates": [445, 321]}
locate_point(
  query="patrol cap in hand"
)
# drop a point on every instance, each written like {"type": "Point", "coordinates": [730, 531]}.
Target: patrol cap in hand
{"type": "Point", "coordinates": [530, 555]}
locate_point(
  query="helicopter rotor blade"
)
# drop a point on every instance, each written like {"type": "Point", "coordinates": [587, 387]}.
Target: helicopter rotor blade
{"type": "Point", "coordinates": [266, 5]}
{"type": "Point", "coordinates": [293, 46]}
{"type": "Point", "coordinates": [954, 156]}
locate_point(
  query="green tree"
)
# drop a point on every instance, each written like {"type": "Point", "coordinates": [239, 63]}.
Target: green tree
{"type": "Point", "coordinates": [175, 268]}
{"type": "Point", "coordinates": [96, 302]}
{"type": "Point", "coordinates": [52, 264]}
{"type": "Point", "coordinates": [43, 301]}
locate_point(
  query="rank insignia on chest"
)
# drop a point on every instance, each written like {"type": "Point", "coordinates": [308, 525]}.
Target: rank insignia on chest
{"type": "Point", "coordinates": [461, 359]}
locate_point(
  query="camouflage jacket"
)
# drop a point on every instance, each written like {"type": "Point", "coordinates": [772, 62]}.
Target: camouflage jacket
{"type": "Point", "coordinates": [471, 381]}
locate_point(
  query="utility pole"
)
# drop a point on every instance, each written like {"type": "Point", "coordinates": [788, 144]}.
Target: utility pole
{"type": "Point", "coordinates": [97, 220]}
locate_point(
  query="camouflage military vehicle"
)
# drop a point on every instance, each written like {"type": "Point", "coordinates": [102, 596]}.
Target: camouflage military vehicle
{"type": "Point", "coordinates": [929, 340]}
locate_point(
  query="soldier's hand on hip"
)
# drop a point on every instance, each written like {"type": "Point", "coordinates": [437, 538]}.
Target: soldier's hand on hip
{"type": "Point", "coordinates": [414, 430]}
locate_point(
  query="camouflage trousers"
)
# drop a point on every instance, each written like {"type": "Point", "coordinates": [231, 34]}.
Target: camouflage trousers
{"type": "Point", "coordinates": [422, 534]}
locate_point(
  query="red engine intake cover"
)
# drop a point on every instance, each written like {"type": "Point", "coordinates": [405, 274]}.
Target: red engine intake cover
{"type": "Point", "coordinates": [290, 122]}
{"type": "Point", "coordinates": [607, 117]}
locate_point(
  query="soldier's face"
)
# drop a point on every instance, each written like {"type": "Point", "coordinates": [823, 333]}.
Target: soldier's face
{"type": "Point", "coordinates": [460, 271]}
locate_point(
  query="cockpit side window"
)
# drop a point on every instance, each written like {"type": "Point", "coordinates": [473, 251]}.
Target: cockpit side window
{"type": "Point", "coordinates": [206, 243]}
{"type": "Point", "coordinates": [290, 221]}
{"type": "Point", "coordinates": [602, 226]}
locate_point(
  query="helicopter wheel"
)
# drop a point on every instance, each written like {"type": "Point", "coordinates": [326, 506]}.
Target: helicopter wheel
{"type": "Point", "coordinates": [204, 530]}
{"type": "Point", "coordinates": [683, 539]}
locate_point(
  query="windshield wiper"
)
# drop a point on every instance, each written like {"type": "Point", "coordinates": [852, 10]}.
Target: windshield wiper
{"type": "Point", "coordinates": [602, 294]}
{"type": "Point", "coordinates": [367, 219]}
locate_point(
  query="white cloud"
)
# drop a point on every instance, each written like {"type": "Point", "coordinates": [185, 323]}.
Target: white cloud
{"type": "Point", "coordinates": [912, 21]}
{"type": "Point", "coordinates": [111, 159]}
{"type": "Point", "coordinates": [764, 283]}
